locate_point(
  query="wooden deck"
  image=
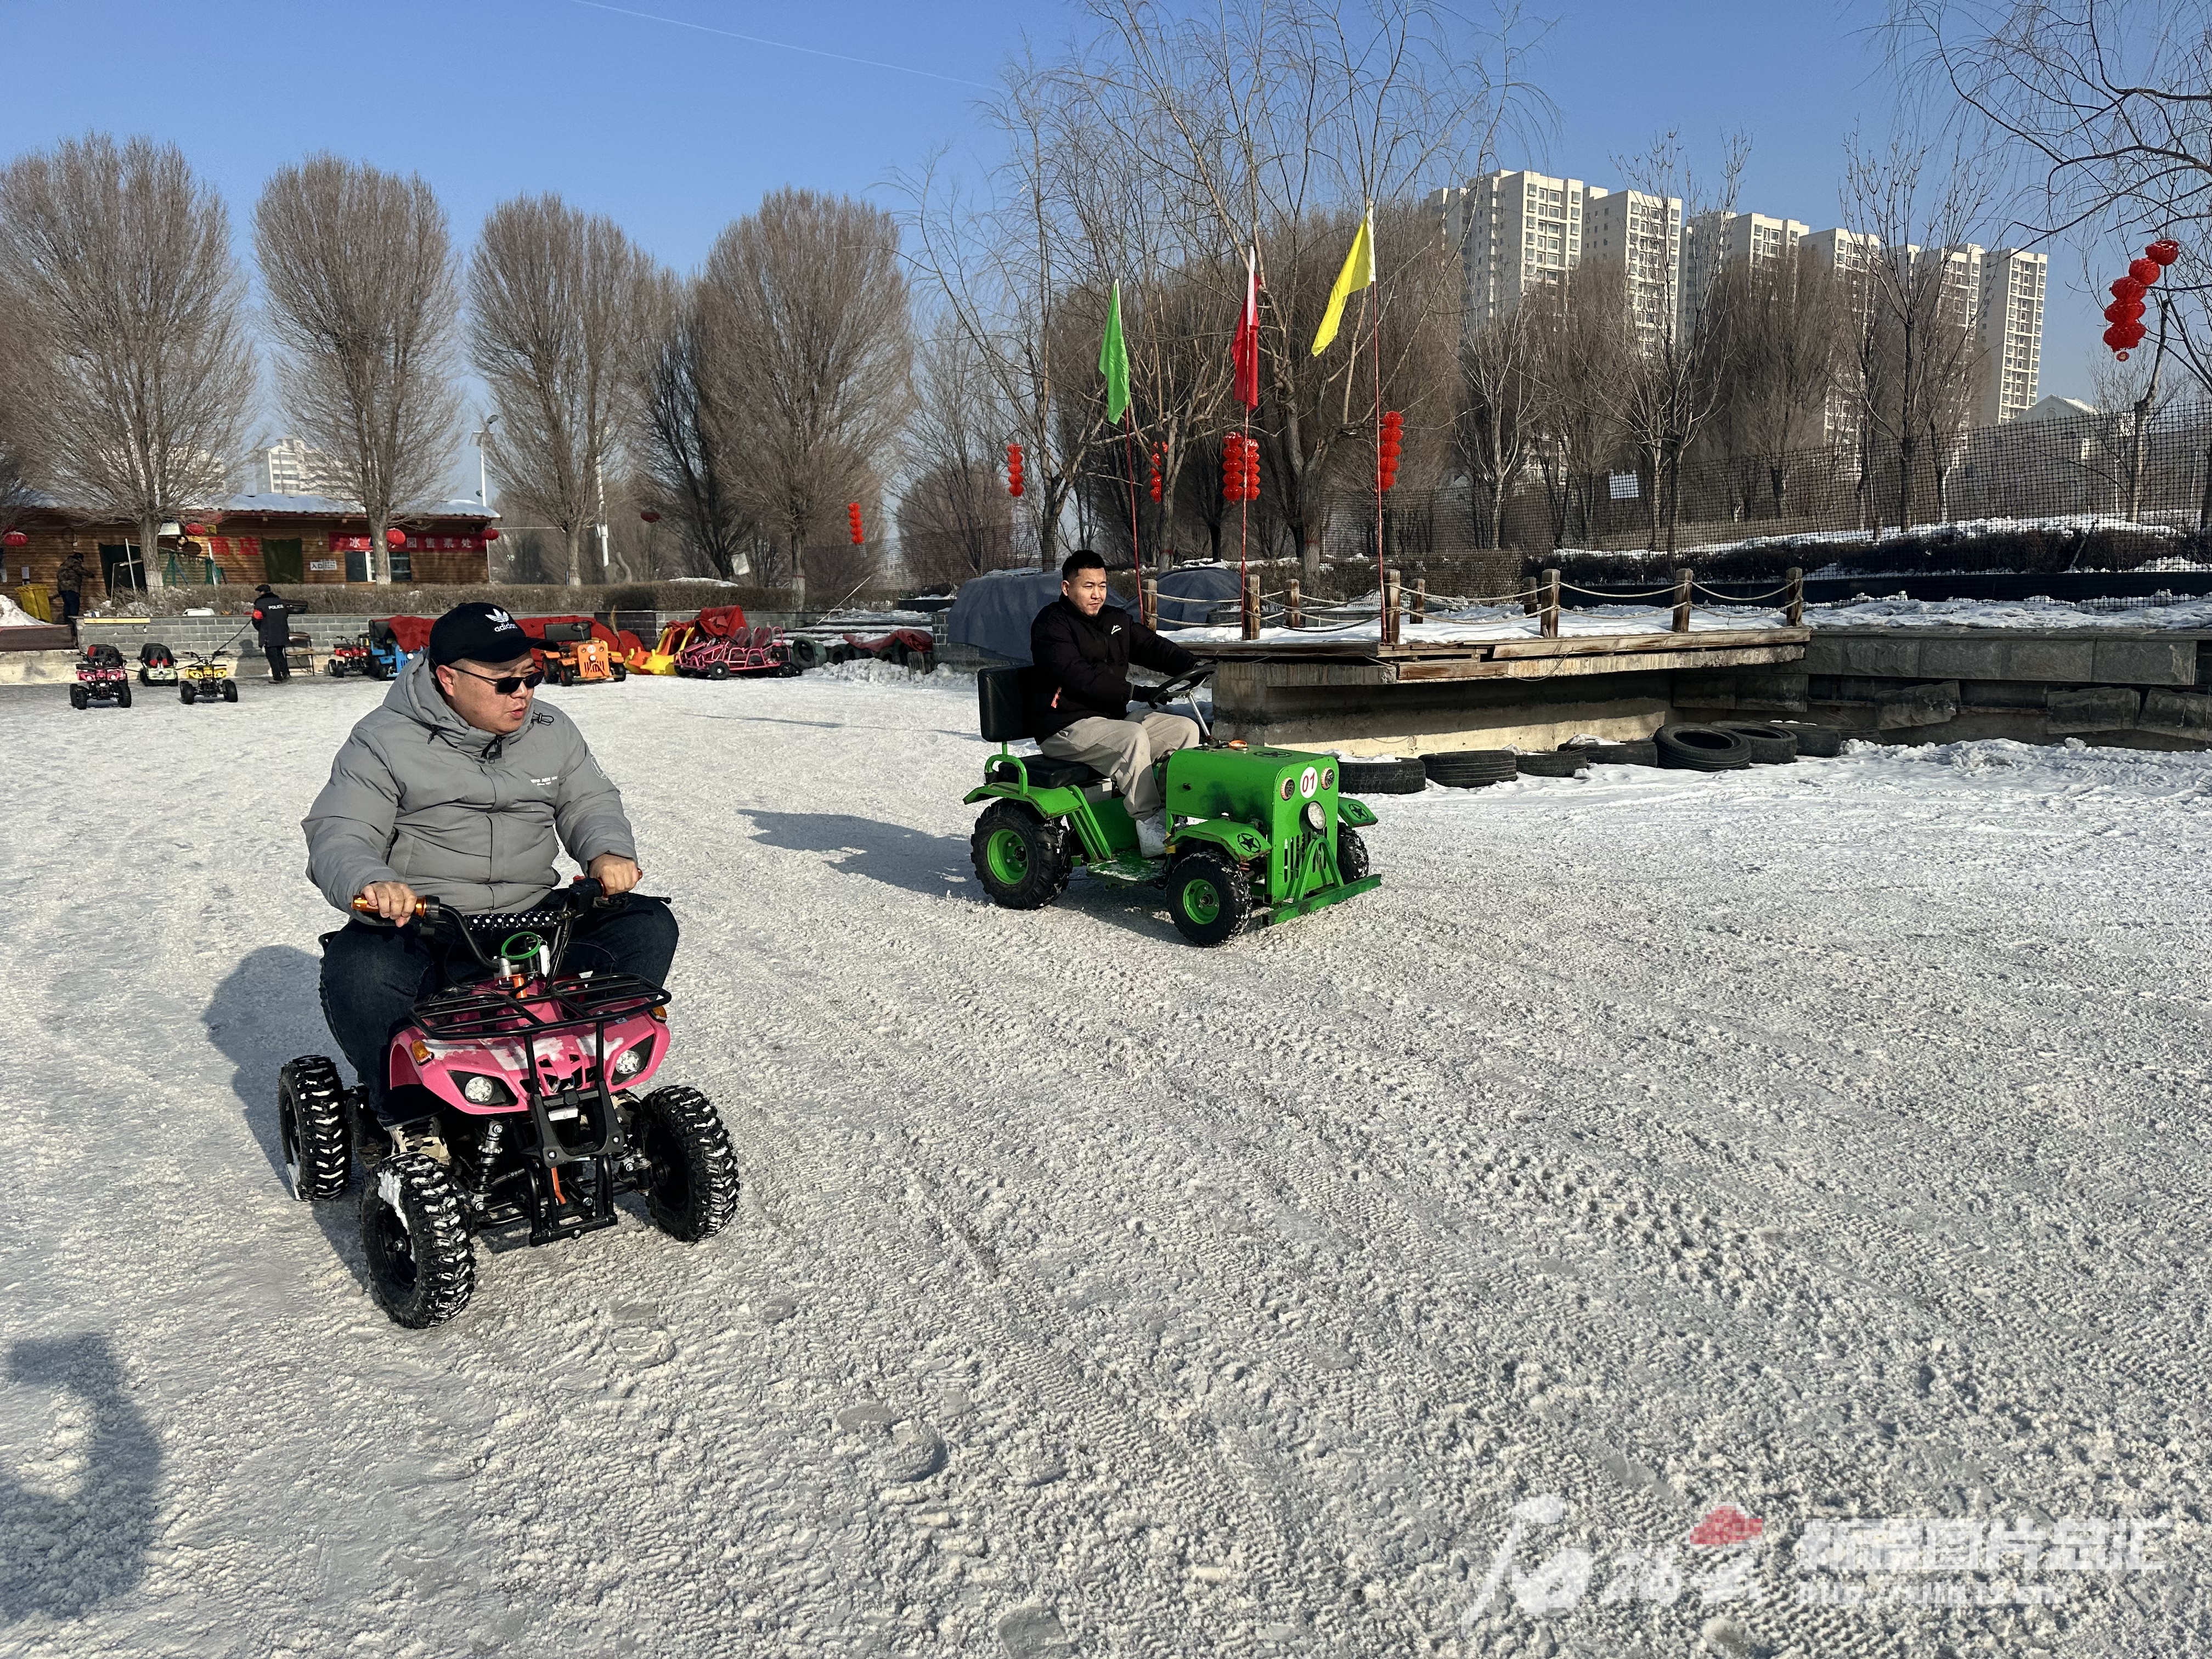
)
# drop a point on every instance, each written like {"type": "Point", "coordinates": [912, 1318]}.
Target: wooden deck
{"type": "Point", "coordinates": [1361, 662]}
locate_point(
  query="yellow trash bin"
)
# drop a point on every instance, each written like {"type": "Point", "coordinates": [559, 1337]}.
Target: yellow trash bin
{"type": "Point", "coordinates": [35, 599]}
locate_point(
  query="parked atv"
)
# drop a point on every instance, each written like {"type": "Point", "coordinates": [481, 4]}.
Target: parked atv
{"type": "Point", "coordinates": [1255, 834]}
{"type": "Point", "coordinates": [206, 678]}
{"type": "Point", "coordinates": [509, 1102]}
{"type": "Point", "coordinates": [157, 664]}
{"type": "Point", "coordinates": [100, 678]}
{"type": "Point", "coordinates": [350, 657]}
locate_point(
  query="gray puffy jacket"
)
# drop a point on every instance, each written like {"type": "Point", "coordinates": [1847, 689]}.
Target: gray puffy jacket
{"type": "Point", "coordinates": [416, 794]}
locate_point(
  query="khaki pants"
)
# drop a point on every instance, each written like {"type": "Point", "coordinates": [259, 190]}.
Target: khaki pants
{"type": "Point", "coordinates": [1125, 751]}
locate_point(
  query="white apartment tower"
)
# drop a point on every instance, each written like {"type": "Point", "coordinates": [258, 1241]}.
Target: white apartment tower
{"type": "Point", "coordinates": [1713, 242]}
{"type": "Point", "coordinates": [2012, 281]}
{"type": "Point", "coordinates": [1515, 232]}
{"type": "Point", "coordinates": [289, 467]}
{"type": "Point", "coordinates": [1640, 234]}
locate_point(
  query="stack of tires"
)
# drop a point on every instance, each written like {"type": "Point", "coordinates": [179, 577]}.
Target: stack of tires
{"type": "Point", "coordinates": [1638, 751]}
{"type": "Point", "coordinates": [1386, 776]}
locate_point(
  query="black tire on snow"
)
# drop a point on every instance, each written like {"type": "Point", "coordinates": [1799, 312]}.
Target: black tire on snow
{"type": "Point", "coordinates": [1030, 866]}
{"type": "Point", "coordinates": [422, 1265]}
{"type": "Point", "coordinates": [1226, 905]}
{"type": "Point", "coordinates": [691, 1190]}
{"type": "Point", "coordinates": [621, 672]}
{"type": "Point", "coordinates": [230, 691]}
{"type": "Point", "coordinates": [1382, 777]}
{"type": "Point", "coordinates": [311, 1113]}
{"type": "Point", "coordinates": [1771, 745]}
{"type": "Point", "coordinates": [1815, 742]}
{"type": "Point", "coordinates": [1550, 764]}
{"type": "Point", "coordinates": [184, 693]}
{"type": "Point", "coordinates": [718, 673]}
{"type": "Point", "coordinates": [79, 697]}
{"type": "Point", "coordinates": [1703, 749]}
{"type": "Point", "coordinates": [1642, 751]}
{"type": "Point", "coordinates": [1351, 855]}
{"type": "Point", "coordinates": [1472, 769]}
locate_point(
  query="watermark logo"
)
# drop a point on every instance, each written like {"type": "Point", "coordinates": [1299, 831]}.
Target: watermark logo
{"type": "Point", "coordinates": [1894, 1561]}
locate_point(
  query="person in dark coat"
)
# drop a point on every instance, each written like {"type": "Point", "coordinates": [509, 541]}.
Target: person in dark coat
{"type": "Point", "coordinates": [68, 587]}
{"type": "Point", "coordinates": [272, 622]}
{"type": "Point", "coordinates": [1082, 648]}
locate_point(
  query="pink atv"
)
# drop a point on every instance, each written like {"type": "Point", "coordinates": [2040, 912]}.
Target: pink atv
{"type": "Point", "coordinates": [510, 1101]}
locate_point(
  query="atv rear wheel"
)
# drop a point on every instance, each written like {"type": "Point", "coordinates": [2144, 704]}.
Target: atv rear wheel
{"type": "Point", "coordinates": [1021, 859]}
{"type": "Point", "coordinates": [310, 1112]}
{"type": "Point", "coordinates": [1209, 898]}
{"type": "Point", "coordinates": [691, 1189]}
{"type": "Point", "coordinates": [421, 1266]}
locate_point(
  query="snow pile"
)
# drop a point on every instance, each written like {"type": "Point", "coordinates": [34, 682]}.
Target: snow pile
{"type": "Point", "coordinates": [12, 615]}
{"type": "Point", "coordinates": [1825, 1140]}
{"type": "Point", "coordinates": [1480, 623]}
{"type": "Point", "coordinates": [1963, 530]}
{"type": "Point", "coordinates": [1899, 611]}
{"type": "Point", "coordinates": [874, 670]}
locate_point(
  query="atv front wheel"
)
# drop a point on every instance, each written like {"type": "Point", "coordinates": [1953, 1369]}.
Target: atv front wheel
{"type": "Point", "coordinates": [123, 695]}
{"type": "Point", "coordinates": [310, 1104]}
{"type": "Point", "coordinates": [1021, 859]}
{"type": "Point", "coordinates": [230, 691]}
{"type": "Point", "coordinates": [1209, 898]}
{"type": "Point", "coordinates": [79, 698]}
{"type": "Point", "coordinates": [691, 1187]}
{"type": "Point", "coordinates": [184, 693]}
{"type": "Point", "coordinates": [421, 1266]}
{"type": "Point", "coordinates": [1350, 856]}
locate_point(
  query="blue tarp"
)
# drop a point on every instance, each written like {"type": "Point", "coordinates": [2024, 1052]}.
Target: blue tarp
{"type": "Point", "coordinates": [994, 612]}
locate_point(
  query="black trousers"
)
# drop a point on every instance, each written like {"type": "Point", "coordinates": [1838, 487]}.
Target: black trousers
{"type": "Point", "coordinates": [71, 601]}
{"type": "Point", "coordinates": [278, 668]}
{"type": "Point", "coordinates": [372, 975]}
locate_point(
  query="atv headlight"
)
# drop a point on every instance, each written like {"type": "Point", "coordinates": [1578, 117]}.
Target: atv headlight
{"type": "Point", "coordinates": [629, 1063]}
{"type": "Point", "coordinates": [1317, 820]}
{"type": "Point", "coordinates": [481, 1091]}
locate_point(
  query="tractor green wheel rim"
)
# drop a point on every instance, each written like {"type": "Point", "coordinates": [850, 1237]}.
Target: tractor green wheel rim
{"type": "Point", "coordinates": [1008, 854]}
{"type": "Point", "coordinates": [1201, 902]}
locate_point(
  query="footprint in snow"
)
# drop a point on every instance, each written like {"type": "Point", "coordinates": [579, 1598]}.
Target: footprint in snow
{"type": "Point", "coordinates": [1033, 1632]}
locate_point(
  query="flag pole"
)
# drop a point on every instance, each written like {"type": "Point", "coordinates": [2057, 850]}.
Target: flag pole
{"type": "Point", "coordinates": [1387, 620]}
{"type": "Point", "coordinates": [1129, 466]}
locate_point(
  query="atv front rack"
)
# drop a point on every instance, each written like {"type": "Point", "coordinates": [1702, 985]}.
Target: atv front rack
{"type": "Point", "coordinates": [480, 1010]}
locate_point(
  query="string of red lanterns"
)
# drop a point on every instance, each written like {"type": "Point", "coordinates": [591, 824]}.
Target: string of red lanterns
{"type": "Point", "coordinates": [1394, 434]}
{"type": "Point", "coordinates": [1239, 468]}
{"type": "Point", "coordinates": [1159, 455]}
{"type": "Point", "coordinates": [2124, 317]}
{"type": "Point", "coordinates": [1014, 469]}
{"type": "Point", "coordinates": [853, 519]}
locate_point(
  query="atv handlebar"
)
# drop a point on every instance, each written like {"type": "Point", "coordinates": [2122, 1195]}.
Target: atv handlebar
{"type": "Point", "coordinates": [573, 899]}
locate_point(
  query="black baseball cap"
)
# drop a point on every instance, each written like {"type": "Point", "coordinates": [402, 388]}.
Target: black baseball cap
{"type": "Point", "coordinates": [476, 632]}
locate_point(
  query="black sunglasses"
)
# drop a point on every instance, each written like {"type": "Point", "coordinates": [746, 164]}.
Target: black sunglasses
{"type": "Point", "coordinates": [507, 684]}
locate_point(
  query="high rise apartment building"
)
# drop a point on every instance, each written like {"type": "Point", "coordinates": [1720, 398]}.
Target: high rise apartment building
{"type": "Point", "coordinates": [1641, 236]}
{"type": "Point", "coordinates": [290, 467]}
{"type": "Point", "coordinates": [2013, 281]}
{"type": "Point", "coordinates": [1515, 232]}
{"type": "Point", "coordinates": [1713, 242]}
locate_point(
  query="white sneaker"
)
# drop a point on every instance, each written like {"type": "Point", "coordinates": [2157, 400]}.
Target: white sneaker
{"type": "Point", "coordinates": [1152, 835]}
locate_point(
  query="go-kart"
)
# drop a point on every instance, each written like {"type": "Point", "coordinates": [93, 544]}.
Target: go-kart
{"type": "Point", "coordinates": [100, 678]}
{"type": "Point", "coordinates": [157, 664]}
{"type": "Point", "coordinates": [206, 678]}
{"type": "Point", "coordinates": [1255, 834]}
{"type": "Point", "coordinates": [571, 654]}
{"type": "Point", "coordinates": [509, 1102]}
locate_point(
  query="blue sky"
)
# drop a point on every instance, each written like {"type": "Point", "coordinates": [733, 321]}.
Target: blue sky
{"type": "Point", "coordinates": [674, 130]}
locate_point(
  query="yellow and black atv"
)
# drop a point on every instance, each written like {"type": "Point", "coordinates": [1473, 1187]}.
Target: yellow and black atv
{"type": "Point", "coordinates": [206, 678]}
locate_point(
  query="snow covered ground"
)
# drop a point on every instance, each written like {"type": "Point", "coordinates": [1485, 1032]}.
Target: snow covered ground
{"type": "Point", "coordinates": [1466, 1269]}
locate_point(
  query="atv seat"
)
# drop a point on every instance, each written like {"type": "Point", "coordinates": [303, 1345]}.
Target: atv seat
{"type": "Point", "coordinates": [1044, 771]}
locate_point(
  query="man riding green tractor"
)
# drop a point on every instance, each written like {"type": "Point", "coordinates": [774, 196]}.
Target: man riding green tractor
{"type": "Point", "coordinates": [1233, 832]}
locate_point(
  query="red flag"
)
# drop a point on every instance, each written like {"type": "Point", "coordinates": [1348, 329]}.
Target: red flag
{"type": "Point", "coordinates": [1244, 349]}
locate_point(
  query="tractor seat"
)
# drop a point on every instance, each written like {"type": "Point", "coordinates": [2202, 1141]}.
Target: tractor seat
{"type": "Point", "coordinates": [1044, 772]}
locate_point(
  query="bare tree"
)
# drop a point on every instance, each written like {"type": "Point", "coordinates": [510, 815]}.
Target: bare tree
{"type": "Point", "coordinates": [119, 264]}
{"type": "Point", "coordinates": [362, 302]}
{"type": "Point", "coordinates": [955, 519]}
{"type": "Point", "coordinates": [1781, 337]}
{"type": "Point", "coordinates": [686, 457]}
{"type": "Point", "coordinates": [1586, 349]}
{"type": "Point", "coordinates": [1920, 207]}
{"type": "Point", "coordinates": [1501, 421]}
{"type": "Point", "coordinates": [23, 404]}
{"type": "Point", "coordinates": [812, 345]}
{"type": "Point", "coordinates": [559, 310]}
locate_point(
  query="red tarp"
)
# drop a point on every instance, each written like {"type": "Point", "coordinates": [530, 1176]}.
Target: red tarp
{"type": "Point", "coordinates": [408, 633]}
{"type": "Point", "coordinates": [722, 620]}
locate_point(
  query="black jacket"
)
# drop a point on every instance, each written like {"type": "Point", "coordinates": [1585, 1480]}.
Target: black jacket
{"type": "Point", "coordinates": [1083, 664]}
{"type": "Point", "coordinates": [272, 621]}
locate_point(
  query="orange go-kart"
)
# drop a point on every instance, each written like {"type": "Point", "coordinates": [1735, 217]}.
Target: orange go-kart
{"type": "Point", "coordinates": [571, 653]}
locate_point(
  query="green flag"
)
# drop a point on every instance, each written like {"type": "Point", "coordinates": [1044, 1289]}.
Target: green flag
{"type": "Point", "coordinates": [1114, 362]}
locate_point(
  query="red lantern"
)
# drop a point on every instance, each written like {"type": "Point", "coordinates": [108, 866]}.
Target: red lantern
{"type": "Point", "coordinates": [2163, 252]}
{"type": "Point", "coordinates": [14, 538]}
{"type": "Point", "coordinates": [2126, 288]}
{"type": "Point", "coordinates": [2123, 311]}
{"type": "Point", "coordinates": [1159, 455]}
{"type": "Point", "coordinates": [853, 519]}
{"type": "Point", "coordinates": [1392, 444]}
{"type": "Point", "coordinates": [2145, 270]}
{"type": "Point", "coordinates": [491, 532]}
{"type": "Point", "coordinates": [2115, 336]}
{"type": "Point", "coordinates": [650, 516]}
{"type": "Point", "coordinates": [395, 539]}
{"type": "Point", "coordinates": [196, 530]}
{"type": "Point", "coordinates": [1014, 469]}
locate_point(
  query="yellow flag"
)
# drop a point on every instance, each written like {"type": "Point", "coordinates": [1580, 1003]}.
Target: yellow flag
{"type": "Point", "coordinates": [1358, 272]}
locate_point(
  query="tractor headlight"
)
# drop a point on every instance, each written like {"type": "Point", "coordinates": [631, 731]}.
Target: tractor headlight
{"type": "Point", "coordinates": [481, 1091]}
{"type": "Point", "coordinates": [1328, 777]}
{"type": "Point", "coordinates": [1317, 820]}
{"type": "Point", "coordinates": [629, 1063]}
{"type": "Point", "coordinates": [1287, 786]}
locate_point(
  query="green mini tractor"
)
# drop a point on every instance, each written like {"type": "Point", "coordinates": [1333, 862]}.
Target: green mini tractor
{"type": "Point", "coordinates": [1255, 835]}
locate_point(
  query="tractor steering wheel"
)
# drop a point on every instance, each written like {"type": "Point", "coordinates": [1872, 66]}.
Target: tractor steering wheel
{"type": "Point", "coordinates": [1168, 690]}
